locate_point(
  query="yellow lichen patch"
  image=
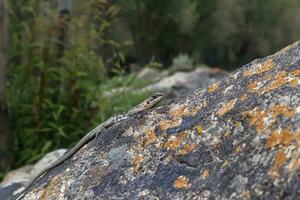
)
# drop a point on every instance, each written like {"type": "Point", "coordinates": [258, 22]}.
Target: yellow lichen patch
{"type": "Point", "coordinates": [166, 124]}
{"type": "Point", "coordinates": [243, 97]}
{"type": "Point", "coordinates": [261, 67]}
{"type": "Point", "coordinates": [150, 137]}
{"type": "Point", "coordinates": [280, 80]}
{"type": "Point", "coordinates": [296, 72]}
{"type": "Point", "coordinates": [273, 140]}
{"type": "Point", "coordinates": [283, 110]}
{"type": "Point", "coordinates": [199, 129]}
{"type": "Point", "coordinates": [205, 174]}
{"type": "Point", "coordinates": [256, 118]}
{"type": "Point", "coordinates": [136, 162]}
{"type": "Point", "coordinates": [238, 149]}
{"type": "Point", "coordinates": [213, 87]}
{"type": "Point", "coordinates": [182, 182]}
{"type": "Point", "coordinates": [252, 86]}
{"type": "Point", "coordinates": [294, 82]}
{"type": "Point", "coordinates": [227, 107]}
{"type": "Point", "coordinates": [187, 148]}
{"type": "Point", "coordinates": [236, 123]}
{"type": "Point", "coordinates": [175, 141]}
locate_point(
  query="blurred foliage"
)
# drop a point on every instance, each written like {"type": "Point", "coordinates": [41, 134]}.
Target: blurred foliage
{"type": "Point", "coordinates": [54, 99]}
{"type": "Point", "coordinates": [214, 32]}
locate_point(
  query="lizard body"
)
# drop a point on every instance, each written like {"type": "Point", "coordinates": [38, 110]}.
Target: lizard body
{"type": "Point", "coordinates": [146, 104]}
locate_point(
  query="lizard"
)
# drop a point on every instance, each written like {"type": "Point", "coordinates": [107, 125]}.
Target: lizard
{"type": "Point", "coordinates": [145, 105]}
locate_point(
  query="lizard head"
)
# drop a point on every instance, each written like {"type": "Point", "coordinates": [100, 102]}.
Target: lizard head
{"type": "Point", "coordinates": [153, 100]}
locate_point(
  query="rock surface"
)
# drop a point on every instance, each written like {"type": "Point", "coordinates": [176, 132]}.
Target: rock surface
{"type": "Point", "coordinates": [236, 139]}
{"type": "Point", "coordinates": [181, 83]}
{"type": "Point", "coordinates": [174, 84]}
{"type": "Point", "coordinates": [16, 180]}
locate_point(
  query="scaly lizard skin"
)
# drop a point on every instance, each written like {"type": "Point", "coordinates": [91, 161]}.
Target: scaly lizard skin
{"type": "Point", "coordinates": [146, 104]}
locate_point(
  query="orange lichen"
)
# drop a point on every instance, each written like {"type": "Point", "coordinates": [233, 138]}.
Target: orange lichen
{"type": "Point", "coordinates": [294, 165]}
{"type": "Point", "coordinates": [295, 161]}
{"type": "Point", "coordinates": [297, 137]}
{"type": "Point", "coordinates": [175, 141]}
{"type": "Point", "coordinates": [246, 195]}
{"type": "Point", "coordinates": [243, 97]}
{"type": "Point", "coordinates": [296, 72]}
{"type": "Point", "coordinates": [227, 107]}
{"type": "Point", "coordinates": [54, 185]}
{"type": "Point", "coordinates": [267, 77]}
{"type": "Point", "coordinates": [273, 140]}
{"type": "Point", "coordinates": [283, 110]}
{"type": "Point", "coordinates": [194, 111]}
{"type": "Point", "coordinates": [136, 162]}
{"type": "Point", "coordinates": [213, 87]}
{"type": "Point", "coordinates": [256, 118]}
{"type": "Point", "coordinates": [261, 67]}
{"type": "Point", "coordinates": [278, 82]}
{"type": "Point", "coordinates": [252, 86]}
{"type": "Point", "coordinates": [160, 145]}
{"type": "Point", "coordinates": [286, 137]}
{"type": "Point", "coordinates": [166, 124]}
{"type": "Point", "coordinates": [280, 159]}
{"type": "Point", "coordinates": [266, 66]}
{"type": "Point", "coordinates": [205, 174]}
{"type": "Point", "coordinates": [187, 148]}
{"type": "Point", "coordinates": [178, 111]}
{"type": "Point", "coordinates": [183, 110]}
{"type": "Point", "coordinates": [150, 137]}
{"type": "Point", "coordinates": [182, 182]}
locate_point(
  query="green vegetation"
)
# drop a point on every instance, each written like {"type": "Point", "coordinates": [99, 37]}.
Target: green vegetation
{"type": "Point", "coordinates": [63, 68]}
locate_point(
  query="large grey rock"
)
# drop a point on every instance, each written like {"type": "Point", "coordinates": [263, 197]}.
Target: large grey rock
{"type": "Point", "coordinates": [236, 139]}
{"type": "Point", "coordinates": [26, 173]}
{"type": "Point", "coordinates": [182, 82]}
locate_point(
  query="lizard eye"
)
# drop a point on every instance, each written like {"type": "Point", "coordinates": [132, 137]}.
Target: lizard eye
{"type": "Point", "coordinates": [147, 102]}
